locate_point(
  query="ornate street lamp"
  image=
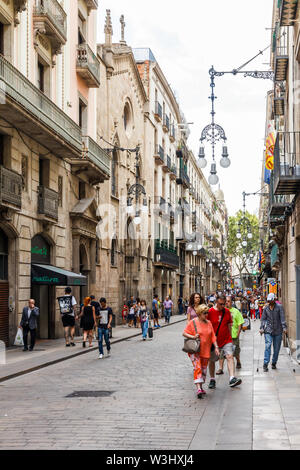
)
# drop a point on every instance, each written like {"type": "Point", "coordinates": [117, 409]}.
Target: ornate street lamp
{"type": "Point", "coordinates": [136, 190]}
{"type": "Point", "coordinates": [214, 133]}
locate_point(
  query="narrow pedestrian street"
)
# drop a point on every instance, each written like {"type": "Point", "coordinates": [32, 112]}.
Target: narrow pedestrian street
{"type": "Point", "coordinates": [151, 402]}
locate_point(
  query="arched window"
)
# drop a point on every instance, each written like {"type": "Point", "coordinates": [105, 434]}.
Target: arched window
{"type": "Point", "coordinates": [149, 259]}
{"type": "Point", "coordinates": [114, 174]}
{"type": "Point", "coordinates": [3, 256]}
{"type": "Point", "coordinates": [113, 253]}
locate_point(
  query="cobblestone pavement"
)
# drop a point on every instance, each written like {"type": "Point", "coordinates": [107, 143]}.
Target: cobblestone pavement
{"type": "Point", "coordinates": [153, 403]}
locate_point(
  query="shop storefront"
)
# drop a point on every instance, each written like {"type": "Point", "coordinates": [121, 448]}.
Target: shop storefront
{"type": "Point", "coordinates": [44, 280]}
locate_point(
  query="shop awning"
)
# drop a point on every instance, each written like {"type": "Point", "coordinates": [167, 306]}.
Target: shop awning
{"type": "Point", "coordinates": [43, 274]}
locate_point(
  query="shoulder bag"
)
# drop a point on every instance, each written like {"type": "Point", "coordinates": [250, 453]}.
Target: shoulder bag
{"type": "Point", "coordinates": [213, 355]}
{"type": "Point", "coordinates": [192, 346]}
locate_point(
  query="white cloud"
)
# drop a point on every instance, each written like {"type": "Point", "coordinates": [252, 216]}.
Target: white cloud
{"type": "Point", "coordinates": [186, 39]}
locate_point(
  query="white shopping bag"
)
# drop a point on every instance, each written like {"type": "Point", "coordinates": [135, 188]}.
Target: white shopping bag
{"type": "Point", "coordinates": [19, 338]}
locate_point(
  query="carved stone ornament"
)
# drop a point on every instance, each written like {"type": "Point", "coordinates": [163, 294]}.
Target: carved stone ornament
{"type": "Point", "coordinates": [19, 6]}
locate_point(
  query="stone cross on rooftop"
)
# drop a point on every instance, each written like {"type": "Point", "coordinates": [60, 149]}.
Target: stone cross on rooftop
{"type": "Point", "coordinates": [123, 24]}
{"type": "Point", "coordinates": [108, 30]}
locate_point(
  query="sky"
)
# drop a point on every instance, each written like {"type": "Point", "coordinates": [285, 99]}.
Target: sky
{"type": "Point", "coordinates": [187, 38]}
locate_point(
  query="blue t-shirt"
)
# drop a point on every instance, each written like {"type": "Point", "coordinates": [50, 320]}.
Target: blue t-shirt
{"type": "Point", "coordinates": [154, 305]}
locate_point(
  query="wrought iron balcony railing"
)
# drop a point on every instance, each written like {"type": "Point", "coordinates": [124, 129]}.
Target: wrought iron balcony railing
{"type": "Point", "coordinates": [165, 254]}
{"type": "Point", "coordinates": [10, 188]}
{"type": "Point", "coordinates": [288, 11]}
{"type": "Point", "coordinates": [166, 123]}
{"type": "Point", "coordinates": [58, 132]}
{"type": "Point", "coordinates": [158, 111]}
{"type": "Point", "coordinates": [88, 66]}
{"type": "Point", "coordinates": [287, 163]}
{"type": "Point", "coordinates": [48, 202]}
{"type": "Point", "coordinates": [50, 16]}
{"type": "Point", "coordinates": [281, 56]}
{"type": "Point", "coordinates": [159, 154]}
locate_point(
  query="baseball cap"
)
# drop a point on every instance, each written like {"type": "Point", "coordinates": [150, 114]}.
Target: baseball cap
{"type": "Point", "coordinates": [271, 297]}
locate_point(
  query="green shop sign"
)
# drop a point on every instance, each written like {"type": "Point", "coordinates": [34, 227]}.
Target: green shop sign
{"type": "Point", "coordinates": [45, 280]}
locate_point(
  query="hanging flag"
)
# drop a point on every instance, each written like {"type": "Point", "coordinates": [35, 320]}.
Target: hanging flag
{"type": "Point", "coordinates": [267, 177]}
{"type": "Point", "coordinates": [270, 146]}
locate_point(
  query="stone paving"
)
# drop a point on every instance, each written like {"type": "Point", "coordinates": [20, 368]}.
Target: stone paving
{"type": "Point", "coordinates": [153, 404]}
{"type": "Point", "coordinates": [48, 352]}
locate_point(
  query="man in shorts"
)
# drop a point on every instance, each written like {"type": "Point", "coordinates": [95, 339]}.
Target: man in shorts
{"type": "Point", "coordinates": [67, 304]}
{"type": "Point", "coordinates": [221, 320]}
{"type": "Point", "coordinates": [237, 322]}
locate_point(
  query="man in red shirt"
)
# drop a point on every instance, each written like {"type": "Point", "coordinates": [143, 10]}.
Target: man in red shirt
{"type": "Point", "coordinates": [224, 340]}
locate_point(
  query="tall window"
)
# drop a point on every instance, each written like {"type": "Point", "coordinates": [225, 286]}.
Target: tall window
{"type": "Point", "coordinates": [1, 38]}
{"type": "Point", "coordinates": [82, 116]}
{"type": "Point", "coordinates": [114, 174]}
{"type": "Point", "coordinates": [3, 256]}
{"type": "Point", "coordinates": [44, 172]}
{"type": "Point", "coordinates": [81, 30]}
{"type": "Point", "coordinates": [113, 253]}
{"type": "Point", "coordinates": [41, 77]}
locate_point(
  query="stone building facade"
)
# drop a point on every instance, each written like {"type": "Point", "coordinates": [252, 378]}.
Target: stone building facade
{"type": "Point", "coordinates": [51, 164]}
{"type": "Point", "coordinates": [282, 239]}
{"type": "Point", "coordinates": [80, 125]}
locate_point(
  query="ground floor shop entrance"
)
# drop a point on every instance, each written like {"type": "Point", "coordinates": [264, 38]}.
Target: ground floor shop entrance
{"type": "Point", "coordinates": [4, 312]}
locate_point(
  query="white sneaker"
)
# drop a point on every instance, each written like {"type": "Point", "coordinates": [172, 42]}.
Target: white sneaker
{"type": "Point", "coordinates": [100, 356]}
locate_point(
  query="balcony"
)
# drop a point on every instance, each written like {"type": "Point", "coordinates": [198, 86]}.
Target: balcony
{"type": "Point", "coordinates": [173, 174]}
{"type": "Point", "coordinates": [281, 63]}
{"type": "Point", "coordinates": [10, 189]}
{"type": "Point", "coordinates": [159, 155]}
{"type": "Point", "coordinates": [166, 123]}
{"type": "Point", "coordinates": [158, 111]}
{"type": "Point", "coordinates": [288, 12]}
{"type": "Point", "coordinates": [88, 66]}
{"type": "Point", "coordinates": [48, 203]}
{"type": "Point", "coordinates": [172, 133]}
{"type": "Point", "coordinates": [183, 178]}
{"type": "Point", "coordinates": [287, 163]}
{"type": "Point", "coordinates": [93, 163]}
{"type": "Point", "coordinates": [279, 106]}
{"type": "Point", "coordinates": [185, 207]}
{"type": "Point", "coordinates": [49, 18]}
{"type": "Point", "coordinates": [182, 151]}
{"type": "Point", "coordinates": [277, 204]}
{"type": "Point", "coordinates": [168, 165]}
{"type": "Point", "coordinates": [29, 110]}
{"type": "Point", "coordinates": [165, 255]}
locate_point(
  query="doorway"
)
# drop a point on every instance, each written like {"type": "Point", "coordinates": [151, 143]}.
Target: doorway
{"type": "Point", "coordinates": [41, 296]}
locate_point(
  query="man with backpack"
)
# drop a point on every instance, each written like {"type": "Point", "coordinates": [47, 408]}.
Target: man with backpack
{"type": "Point", "coordinates": [221, 320]}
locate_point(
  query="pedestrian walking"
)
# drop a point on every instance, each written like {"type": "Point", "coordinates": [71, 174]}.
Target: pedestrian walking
{"type": "Point", "coordinates": [104, 323]}
{"type": "Point", "coordinates": [201, 328]}
{"type": "Point", "coordinates": [168, 306]}
{"type": "Point", "coordinates": [261, 305]}
{"type": "Point", "coordinates": [144, 319]}
{"type": "Point", "coordinates": [180, 305]}
{"type": "Point", "coordinates": [245, 306]}
{"type": "Point", "coordinates": [67, 304]}
{"type": "Point", "coordinates": [252, 309]}
{"type": "Point", "coordinates": [125, 311]}
{"type": "Point", "coordinates": [273, 324]}
{"type": "Point", "coordinates": [221, 320]}
{"type": "Point", "coordinates": [131, 314]}
{"type": "Point", "coordinates": [238, 304]}
{"type": "Point", "coordinates": [257, 315]}
{"type": "Point", "coordinates": [29, 324]}
{"type": "Point", "coordinates": [195, 301]}
{"type": "Point", "coordinates": [88, 316]}
{"type": "Point", "coordinates": [237, 322]}
{"type": "Point", "coordinates": [137, 322]}
{"type": "Point", "coordinates": [96, 304]}
{"type": "Point", "coordinates": [155, 311]}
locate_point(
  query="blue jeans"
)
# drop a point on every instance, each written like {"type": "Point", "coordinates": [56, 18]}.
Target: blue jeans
{"type": "Point", "coordinates": [180, 309]}
{"type": "Point", "coordinates": [167, 314]}
{"type": "Point", "coordinates": [103, 332]}
{"type": "Point", "coordinates": [145, 328]}
{"type": "Point", "coordinates": [276, 340]}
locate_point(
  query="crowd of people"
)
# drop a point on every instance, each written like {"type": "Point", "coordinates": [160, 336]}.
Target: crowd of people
{"type": "Point", "coordinates": [216, 322]}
